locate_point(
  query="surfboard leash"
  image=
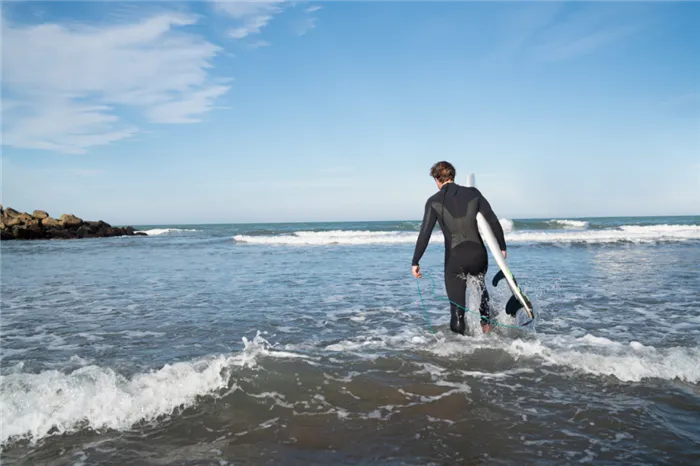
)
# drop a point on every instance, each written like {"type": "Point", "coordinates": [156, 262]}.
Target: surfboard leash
{"type": "Point", "coordinates": [425, 309]}
{"type": "Point", "coordinates": [427, 318]}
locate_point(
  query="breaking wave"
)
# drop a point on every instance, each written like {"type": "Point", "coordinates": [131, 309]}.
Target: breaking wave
{"type": "Point", "coordinates": [569, 223]}
{"type": "Point", "coordinates": [52, 402]}
{"type": "Point", "coordinates": [163, 231]}
{"type": "Point", "coordinates": [624, 234]}
{"type": "Point", "coordinates": [598, 356]}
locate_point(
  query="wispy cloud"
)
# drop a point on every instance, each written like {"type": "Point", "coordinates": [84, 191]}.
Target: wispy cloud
{"type": "Point", "coordinates": [308, 22]}
{"type": "Point", "coordinates": [61, 124]}
{"type": "Point", "coordinates": [85, 171]}
{"type": "Point", "coordinates": [253, 15]}
{"type": "Point", "coordinates": [305, 25]}
{"type": "Point", "coordinates": [260, 43]}
{"type": "Point", "coordinates": [545, 31]}
{"type": "Point", "coordinates": [65, 83]}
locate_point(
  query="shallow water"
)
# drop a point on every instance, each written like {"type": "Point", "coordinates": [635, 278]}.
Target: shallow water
{"type": "Point", "coordinates": [250, 344]}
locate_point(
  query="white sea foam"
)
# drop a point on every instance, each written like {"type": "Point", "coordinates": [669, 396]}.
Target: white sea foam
{"type": "Point", "coordinates": [506, 224]}
{"type": "Point", "coordinates": [344, 237]}
{"type": "Point", "coordinates": [630, 362]}
{"type": "Point", "coordinates": [631, 233]}
{"type": "Point", "coordinates": [36, 405]}
{"type": "Point", "coordinates": [140, 334]}
{"type": "Point", "coordinates": [569, 223]}
{"type": "Point", "coordinates": [627, 361]}
{"type": "Point", "coordinates": [163, 231]}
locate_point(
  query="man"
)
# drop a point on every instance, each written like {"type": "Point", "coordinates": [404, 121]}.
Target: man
{"type": "Point", "coordinates": [455, 208]}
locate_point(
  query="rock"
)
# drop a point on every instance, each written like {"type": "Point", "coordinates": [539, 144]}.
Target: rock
{"type": "Point", "coordinates": [140, 233]}
{"type": "Point", "coordinates": [10, 212]}
{"type": "Point", "coordinates": [50, 222]}
{"type": "Point", "coordinates": [11, 221]}
{"type": "Point", "coordinates": [61, 234]}
{"type": "Point", "coordinates": [22, 226]}
{"type": "Point", "coordinates": [70, 220]}
{"type": "Point", "coordinates": [25, 218]}
{"type": "Point", "coordinates": [27, 232]}
{"type": "Point", "coordinates": [85, 231]}
{"type": "Point", "coordinates": [111, 231]}
{"type": "Point", "coordinates": [99, 228]}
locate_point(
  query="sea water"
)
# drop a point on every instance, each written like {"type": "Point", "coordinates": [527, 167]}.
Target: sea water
{"type": "Point", "coordinates": [299, 343]}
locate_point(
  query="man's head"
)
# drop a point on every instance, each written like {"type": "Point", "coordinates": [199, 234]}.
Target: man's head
{"type": "Point", "coordinates": [443, 172]}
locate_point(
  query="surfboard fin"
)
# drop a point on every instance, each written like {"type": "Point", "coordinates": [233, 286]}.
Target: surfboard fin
{"type": "Point", "coordinates": [498, 277]}
{"type": "Point", "coordinates": [513, 305]}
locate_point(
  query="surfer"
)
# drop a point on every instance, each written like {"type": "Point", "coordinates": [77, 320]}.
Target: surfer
{"type": "Point", "coordinates": [455, 207]}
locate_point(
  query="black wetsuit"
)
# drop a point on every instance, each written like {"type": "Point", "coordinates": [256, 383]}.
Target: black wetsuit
{"type": "Point", "coordinates": [455, 207]}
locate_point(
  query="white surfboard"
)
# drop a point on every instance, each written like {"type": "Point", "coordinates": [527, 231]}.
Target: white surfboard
{"type": "Point", "coordinates": [519, 299]}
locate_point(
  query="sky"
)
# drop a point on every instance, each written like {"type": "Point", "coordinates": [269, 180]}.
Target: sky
{"type": "Point", "coordinates": [233, 112]}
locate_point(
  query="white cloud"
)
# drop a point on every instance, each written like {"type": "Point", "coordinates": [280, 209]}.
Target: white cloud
{"type": "Point", "coordinates": [65, 83]}
{"type": "Point", "coordinates": [260, 43]}
{"type": "Point", "coordinates": [311, 9]}
{"type": "Point", "coordinates": [180, 111]}
{"type": "Point", "coordinates": [61, 124]}
{"type": "Point", "coordinates": [252, 26]}
{"type": "Point", "coordinates": [558, 32]}
{"type": "Point", "coordinates": [248, 8]}
{"type": "Point", "coordinates": [305, 26]}
{"type": "Point", "coordinates": [253, 15]}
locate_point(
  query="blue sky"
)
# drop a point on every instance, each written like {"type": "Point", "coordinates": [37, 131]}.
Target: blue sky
{"type": "Point", "coordinates": [178, 112]}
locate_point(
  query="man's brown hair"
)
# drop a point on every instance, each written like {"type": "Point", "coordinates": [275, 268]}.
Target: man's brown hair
{"type": "Point", "coordinates": [443, 172]}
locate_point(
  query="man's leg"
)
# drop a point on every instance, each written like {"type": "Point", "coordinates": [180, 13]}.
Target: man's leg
{"type": "Point", "coordinates": [484, 307]}
{"type": "Point", "coordinates": [456, 291]}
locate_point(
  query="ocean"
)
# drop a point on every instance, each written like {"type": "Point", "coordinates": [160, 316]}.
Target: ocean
{"type": "Point", "coordinates": [314, 344]}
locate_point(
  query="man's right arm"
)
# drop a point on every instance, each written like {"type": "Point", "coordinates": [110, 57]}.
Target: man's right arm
{"type": "Point", "coordinates": [426, 229]}
{"type": "Point", "coordinates": [492, 219]}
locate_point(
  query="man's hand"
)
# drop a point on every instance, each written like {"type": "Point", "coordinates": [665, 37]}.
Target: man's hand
{"type": "Point", "coordinates": [504, 254]}
{"type": "Point", "coordinates": [416, 271]}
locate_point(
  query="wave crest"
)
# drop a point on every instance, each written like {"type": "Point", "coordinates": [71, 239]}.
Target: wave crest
{"type": "Point", "coordinates": [163, 231]}
{"type": "Point", "coordinates": [630, 234]}
{"type": "Point", "coordinates": [506, 224]}
{"type": "Point", "coordinates": [569, 223]}
{"type": "Point", "coordinates": [34, 406]}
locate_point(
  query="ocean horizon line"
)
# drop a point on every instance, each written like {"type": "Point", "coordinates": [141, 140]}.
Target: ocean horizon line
{"type": "Point", "coordinates": [316, 222]}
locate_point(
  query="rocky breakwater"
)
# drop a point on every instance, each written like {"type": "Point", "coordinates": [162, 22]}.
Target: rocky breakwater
{"type": "Point", "coordinates": [39, 225]}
